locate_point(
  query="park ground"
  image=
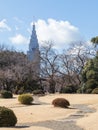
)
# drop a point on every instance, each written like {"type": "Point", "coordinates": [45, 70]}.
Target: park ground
{"type": "Point", "coordinates": [42, 115]}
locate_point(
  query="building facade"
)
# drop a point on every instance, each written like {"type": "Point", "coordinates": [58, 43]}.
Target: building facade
{"type": "Point", "coordinates": [33, 54]}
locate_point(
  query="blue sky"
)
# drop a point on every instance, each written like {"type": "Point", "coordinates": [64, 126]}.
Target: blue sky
{"type": "Point", "coordinates": [61, 21]}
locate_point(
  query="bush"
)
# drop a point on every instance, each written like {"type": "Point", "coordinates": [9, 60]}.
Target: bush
{"type": "Point", "coordinates": [7, 117]}
{"type": "Point", "coordinates": [60, 102]}
{"type": "Point", "coordinates": [38, 92]}
{"type": "Point", "coordinates": [79, 90]}
{"type": "Point", "coordinates": [25, 99]}
{"type": "Point", "coordinates": [91, 84]}
{"type": "Point", "coordinates": [18, 90]}
{"type": "Point", "coordinates": [6, 94]}
{"type": "Point", "coordinates": [89, 90]}
{"type": "Point", "coordinates": [69, 89]}
{"type": "Point", "coordinates": [66, 90]}
{"type": "Point", "coordinates": [95, 91]}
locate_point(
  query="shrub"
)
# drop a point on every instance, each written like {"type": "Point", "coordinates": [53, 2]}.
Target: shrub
{"type": "Point", "coordinates": [91, 84]}
{"type": "Point", "coordinates": [7, 117]}
{"type": "Point", "coordinates": [38, 91]}
{"type": "Point", "coordinates": [89, 90]}
{"type": "Point", "coordinates": [60, 102]}
{"type": "Point", "coordinates": [20, 91]}
{"type": "Point", "coordinates": [95, 91]}
{"type": "Point", "coordinates": [25, 99]}
{"type": "Point", "coordinates": [73, 87]}
{"type": "Point", "coordinates": [69, 89]}
{"type": "Point", "coordinates": [6, 94]}
{"type": "Point", "coordinates": [79, 90]}
{"type": "Point", "coordinates": [66, 90]}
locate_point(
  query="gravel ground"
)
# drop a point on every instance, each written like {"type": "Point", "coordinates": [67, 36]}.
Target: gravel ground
{"type": "Point", "coordinates": [68, 123]}
{"type": "Point", "coordinates": [54, 125]}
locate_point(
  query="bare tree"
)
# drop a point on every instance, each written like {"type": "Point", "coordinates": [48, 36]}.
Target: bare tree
{"type": "Point", "coordinates": [73, 61]}
{"type": "Point", "coordinates": [56, 70]}
{"type": "Point", "coordinates": [16, 71]}
{"type": "Point", "coordinates": [49, 65]}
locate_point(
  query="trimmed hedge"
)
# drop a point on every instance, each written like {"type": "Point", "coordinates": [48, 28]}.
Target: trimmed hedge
{"type": "Point", "coordinates": [25, 99]}
{"type": "Point", "coordinates": [7, 117]}
{"type": "Point", "coordinates": [6, 94]}
{"type": "Point", "coordinates": [61, 102]}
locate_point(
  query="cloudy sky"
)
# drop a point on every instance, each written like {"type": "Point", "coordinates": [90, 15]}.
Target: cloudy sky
{"type": "Point", "coordinates": [59, 21]}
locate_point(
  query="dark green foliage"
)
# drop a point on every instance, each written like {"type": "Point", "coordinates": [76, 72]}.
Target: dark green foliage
{"type": "Point", "coordinates": [84, 79]}
{"type": "Point", "coordinates": [90, 75]}
{"type": "Point", "coordinates": [25, 99]}
{"type": "Point", "coordinates": [81, 90]}
{"type": "Point", "coordinates": [94, 40]}
{"type": "Point", "coordinates": [88, 86]}
{"type": "Point", "coordinates": [7, 117]}
{"type": "Point", "coordinates": [68, 89]}
{"type": "Point", "coordinates": [38, 92]}
{"type": "Point", "coordinates": [61, 102]}
{"type": "Point", "coordinates": [95, 91]}
{"type": "Point", "coordinates": [89, 90]}
{"type": "Point", "coordinates": [88, 70]}
{"type": "Point", "coordinates": [91, 84]}
{"type": "Point", "coordinates": [6, 94]}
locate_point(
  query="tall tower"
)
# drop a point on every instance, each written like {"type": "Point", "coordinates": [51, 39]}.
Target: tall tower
{"type": "Point", "coordinates": [33, 54]}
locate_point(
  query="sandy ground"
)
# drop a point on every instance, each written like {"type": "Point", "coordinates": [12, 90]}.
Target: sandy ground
{"type": "Point", "coordinates": [46, 112]}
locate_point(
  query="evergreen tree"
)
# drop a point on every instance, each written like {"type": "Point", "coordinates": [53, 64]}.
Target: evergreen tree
{"type": "Point", "coordinates": [90, 75]}
{"type": "Point", "coordinates": [94, 40]}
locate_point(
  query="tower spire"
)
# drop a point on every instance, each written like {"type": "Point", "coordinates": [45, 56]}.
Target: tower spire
{"type": "Point", "coordinates": [33, 20]}
{"type": "Point", "coordinates": [33, 54]}
{"type": "Point", "coordinates": [34, 24]}
{"type": "Point", "coordinates": [33, 44]}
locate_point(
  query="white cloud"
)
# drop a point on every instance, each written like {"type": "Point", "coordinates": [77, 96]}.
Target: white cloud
{"type": "Point", "coordinates": [60, 32]}
{"type": "Point", "coordinates": [4, 26]}
{"type": "Point", "coordinates": [17, 19]}
{"type": "Point", "coordinates": [18, 39]}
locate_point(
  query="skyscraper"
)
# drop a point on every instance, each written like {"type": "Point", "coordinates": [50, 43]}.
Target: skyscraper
{"type": "Point", "coordinates": [34, 54]}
